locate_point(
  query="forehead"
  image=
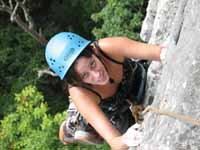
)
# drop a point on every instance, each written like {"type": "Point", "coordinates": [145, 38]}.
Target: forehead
{"type": "Point", "coordinates": [82, 64]}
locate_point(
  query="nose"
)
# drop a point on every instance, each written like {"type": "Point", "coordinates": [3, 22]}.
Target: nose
{"type": "Point", "coordinates": [95, 74]}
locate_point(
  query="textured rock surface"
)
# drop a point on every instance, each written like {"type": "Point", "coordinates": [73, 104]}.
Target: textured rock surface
{"type": "Point", "coordinates": [178, 81]}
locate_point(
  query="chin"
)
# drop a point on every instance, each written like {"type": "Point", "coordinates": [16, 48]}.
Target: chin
{"type": "Point", "coordinates": [104, 82]}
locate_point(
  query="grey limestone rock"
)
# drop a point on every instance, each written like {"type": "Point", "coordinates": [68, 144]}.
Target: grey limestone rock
{"type": "Point", "coordinates": [174, 86]}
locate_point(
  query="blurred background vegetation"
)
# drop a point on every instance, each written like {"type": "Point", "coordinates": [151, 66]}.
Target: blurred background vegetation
{"type": "Point", "coordinates": [32, 106]}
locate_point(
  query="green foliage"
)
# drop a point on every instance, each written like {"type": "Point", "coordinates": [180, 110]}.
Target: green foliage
{"type": "Point", "coordinates": [31, 128]}
{"type": "Point", "coordinates": [20, 59]}
{"type": "Point", "coordinates": [19, 56]}
{"type": "Point", "coordinates": [18, 51]}
{"type": "Point", "coordinates": [119, 18]}
{"type": "Point", "coordinates": [73, 15]}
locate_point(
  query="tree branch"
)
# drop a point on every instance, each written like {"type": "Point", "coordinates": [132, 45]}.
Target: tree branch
{"type": "Point", "coordinates": [12, 16]}
{"type": "Point", "coordinates": [2, 3]}
{"type": "Point", "coordinates": [24, 2]}
{"type": "Point", "coordinates": [40, 38]}
{"type": "Point", "coordinates": [11, 4]}
{"type": "Point", "coordinates": [4, 7]}
{"type": "Point", "coordinates": [28, 18]}
{"type": "Point", "coordinates": [46, 71]}
{"type": "Point", "coordinates": [28, 24]}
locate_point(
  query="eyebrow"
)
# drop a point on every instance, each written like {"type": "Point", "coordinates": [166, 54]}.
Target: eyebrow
{"type": "Point", "coordinates": [90, 60]}
{"type": "Point", "coordinates": [88, 65]}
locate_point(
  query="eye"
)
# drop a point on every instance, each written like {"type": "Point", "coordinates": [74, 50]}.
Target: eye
{"type": "Point", "coordinates": [93, 64]}
{"type": "Point", "coordinates": [84, 76]}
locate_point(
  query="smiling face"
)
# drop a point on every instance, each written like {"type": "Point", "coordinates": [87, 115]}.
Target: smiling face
{"type": "Point", "coordinates": [91, 70]}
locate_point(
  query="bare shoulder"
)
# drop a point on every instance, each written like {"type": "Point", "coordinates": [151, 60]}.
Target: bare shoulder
{"type": "Point", "coordinates": [119, 46]}
{"type": "Point", "coordinates": [114, 46]}
{"type": "Point", "coordinates": [112, 43]}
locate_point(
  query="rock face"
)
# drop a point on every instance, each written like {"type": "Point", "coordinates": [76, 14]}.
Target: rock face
{"type": "Point", "coordinates": [176, 84]}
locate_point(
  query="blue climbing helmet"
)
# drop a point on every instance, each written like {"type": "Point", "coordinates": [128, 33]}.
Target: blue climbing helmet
{"type": "Point", "coordinates": [62, 50]}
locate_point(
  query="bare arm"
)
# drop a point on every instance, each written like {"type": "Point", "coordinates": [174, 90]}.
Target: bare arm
{"type": "Point", "coordinates": [120, 47]}
{"type": "Point", "coordinates": [87, 104]}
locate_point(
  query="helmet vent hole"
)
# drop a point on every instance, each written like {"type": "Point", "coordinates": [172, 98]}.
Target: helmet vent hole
{"type": "Point", "coordinates": [52, 60]}
{"type": "Point", "coordinates": [52, 64]}
{"type": "Point", "coordinates": [61, 67]}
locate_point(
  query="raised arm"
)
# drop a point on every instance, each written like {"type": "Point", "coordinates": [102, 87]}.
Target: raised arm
{"type": "Point", "coordinates": [87, 104]}
{"type": "Point", "coordinates": [120, 47]}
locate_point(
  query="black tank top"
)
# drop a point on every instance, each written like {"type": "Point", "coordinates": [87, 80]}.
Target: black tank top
{"type": "Point", "coordinates": [132, 87]}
